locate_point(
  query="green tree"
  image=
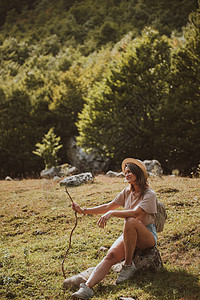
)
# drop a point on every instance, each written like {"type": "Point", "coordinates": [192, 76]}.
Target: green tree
{"type": "Point", "coordinates": [120, 115]}
{"type": "Point", "coordinates": [67, 102]}
{"type": "Point", "coordinates": [14, 50]}
{"type": "Point", "coordinates": [16, 133]}
{"type": "Point", "coordinates": [180, 116]}
{"type": "Point", "coordinates": [6, 7]}
{"type": "Point", "coordinates": [49, 148]}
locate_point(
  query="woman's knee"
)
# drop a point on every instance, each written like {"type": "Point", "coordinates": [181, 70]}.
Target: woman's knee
{"type": "Point", "coordinates": [130, 224]}
{"type": "Point", "coordinates": [112, 257]}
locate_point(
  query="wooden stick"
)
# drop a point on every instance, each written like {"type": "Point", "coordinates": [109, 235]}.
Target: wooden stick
{"type": "Point", "coordinates": [70, 237]}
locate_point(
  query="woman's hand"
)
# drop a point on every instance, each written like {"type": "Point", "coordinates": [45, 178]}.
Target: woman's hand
{"type": "Point", "coordinates": [77, 208]}
{"type": "Point", "coordinates": [104, 219]}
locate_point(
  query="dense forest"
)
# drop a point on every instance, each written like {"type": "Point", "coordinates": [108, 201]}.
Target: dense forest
{"type": "Point", "coordinates": [123, 76]}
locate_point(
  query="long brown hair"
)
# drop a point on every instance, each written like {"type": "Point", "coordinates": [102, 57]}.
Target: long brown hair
{"type": "Point", "coordinates": [141, 181]}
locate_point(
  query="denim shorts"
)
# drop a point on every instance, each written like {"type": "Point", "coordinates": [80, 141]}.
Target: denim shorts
{"type": "Point", "coordinates": [152, 228]}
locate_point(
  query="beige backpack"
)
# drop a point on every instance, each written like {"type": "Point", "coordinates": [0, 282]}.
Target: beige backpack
{"type": "Point", "coordinates": [160, 217]}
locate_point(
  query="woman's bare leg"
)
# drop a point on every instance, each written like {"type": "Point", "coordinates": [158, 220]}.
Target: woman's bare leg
{"type": "Point", "coordinates": [130, 241]}
{"type": "Point", "coordinates": [115, 254]}
{"type": "Point", "coordinates": [136, 234]}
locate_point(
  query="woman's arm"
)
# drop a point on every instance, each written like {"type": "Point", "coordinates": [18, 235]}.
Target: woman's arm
{"type": "Point", "coordinates": [101, 209]}
{"type": "Point", "coordinates": [128, 213]}
{"type": "Point", "coordinates": [137, 213]}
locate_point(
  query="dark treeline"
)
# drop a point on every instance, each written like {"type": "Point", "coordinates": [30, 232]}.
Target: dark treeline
{"type": "Point", "coordinates": [122, 76]}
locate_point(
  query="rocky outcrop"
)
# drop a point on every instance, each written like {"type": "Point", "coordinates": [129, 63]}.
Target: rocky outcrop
{"type": "Point", "coordinates": [59, 171]}
{"type": "Point", "coordinates": [84, 162]}
{"type": "Point", "coordinates": [76, 180]}
{"type": "Point", "coordinates": [153, 167]}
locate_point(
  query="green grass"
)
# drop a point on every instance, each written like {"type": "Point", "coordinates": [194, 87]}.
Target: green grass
{"type": "Point", "coordinates": [36, 221]}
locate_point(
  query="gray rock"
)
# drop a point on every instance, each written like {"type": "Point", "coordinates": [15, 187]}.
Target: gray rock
{"type": "Point", "coordinates": [67, 169]}
{"type": "Point", "coordinates": [49, 173]}
{"type": "Point", "coordinates": [59, 171]}
{"type": "Point", "coordinates": [114, 174]}
{"type": "Point", "coordinates": [111, 174]}
{"type": "Point", "coordinates": [153, 167]}
{"type": "Point", "coordinates": [121, 174]}
{"type": "Point", "coordinates": [125, 298]}
{"type": "Point", "coordinates": [76, 280]}
{"type": "Point", "coordinates": [148, 259]}
{"type": "Point", "coordinates": [85, 162]}
{"type": "Point", "coordinates": [8, 178]}
{"type": "Point", "coordinates": [56, 178]}
{"type": "Point", "coordinates": [73, 282]}
{"type": "Point", "coordinates": [103, 249]}
{"type": "Point", "coordinates": [76, 180]}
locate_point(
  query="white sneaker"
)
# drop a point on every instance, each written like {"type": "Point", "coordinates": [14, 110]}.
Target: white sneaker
{"type": "Point", "coordinates": [126, 273]}
{"type": "Point", "coordinates": [84, 292]}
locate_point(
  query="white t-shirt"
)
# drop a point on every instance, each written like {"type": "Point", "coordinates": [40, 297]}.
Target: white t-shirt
{"type": "Point", "coordinates": [147, 202]}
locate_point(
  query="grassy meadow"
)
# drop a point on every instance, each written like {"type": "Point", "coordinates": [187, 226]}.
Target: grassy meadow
{"type": "Point", "coordinates": [36, 221]}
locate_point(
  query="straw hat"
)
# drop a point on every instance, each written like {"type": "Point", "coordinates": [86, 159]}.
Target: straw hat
{"type": "Point", "coordinates": [137, 162]}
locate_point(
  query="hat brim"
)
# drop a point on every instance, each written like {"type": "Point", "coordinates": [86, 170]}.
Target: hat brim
{"type": "Point", "coordinates": [137, 162]}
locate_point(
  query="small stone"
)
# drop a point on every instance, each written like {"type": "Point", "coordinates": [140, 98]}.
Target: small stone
{"type": "Point", "coordinates": [102, 249]}
{"type": "Point", "coordinates": [111, 174]}
{"type": "Point", "coordinates": [114, 174]}
{"type": "Point", "coordinates": [121, 174]}
{"type": "Point", "coordinates": [56, 178]}
{"type": "Point", "coordinates": [8, 178]}
{"type": "Point", "coordinates": [125, 298]}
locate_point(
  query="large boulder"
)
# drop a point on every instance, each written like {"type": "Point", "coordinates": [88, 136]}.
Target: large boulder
{"type": "Point", "coordinates": [85, 162]}
{"type": "Point", "coordinates": [153, 167]}
{"type": "Point", "coordinates": [59, 171]}
{"type": "Point", "coordinates": [148, 259]}
{"type": "Point", "coordinates": [76, 180]}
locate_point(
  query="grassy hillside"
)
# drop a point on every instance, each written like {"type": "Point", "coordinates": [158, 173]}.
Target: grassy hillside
{"type": "Point", "coordinates": [36, 220]}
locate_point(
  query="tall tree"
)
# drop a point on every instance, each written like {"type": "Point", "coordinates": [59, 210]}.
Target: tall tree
{"type": "Point", "coordinates": [16, 133]}
{"type": "Point", "coordinates": [121, 113]}
{"type": "Point", "coordinates": [180, 116]}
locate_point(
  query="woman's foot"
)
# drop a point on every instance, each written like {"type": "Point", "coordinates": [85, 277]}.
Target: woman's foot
{"type": "Point", "coordinates": [84, 292]}
{"type": "Point", "coordinates": [126, 273]}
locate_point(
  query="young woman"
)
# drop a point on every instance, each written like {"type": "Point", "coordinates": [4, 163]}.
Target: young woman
{"type": "Point", "coordinates": [139, 203]}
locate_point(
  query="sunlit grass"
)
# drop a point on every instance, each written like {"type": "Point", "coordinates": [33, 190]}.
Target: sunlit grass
{"type": "Point", "coordinates": [36, 220]}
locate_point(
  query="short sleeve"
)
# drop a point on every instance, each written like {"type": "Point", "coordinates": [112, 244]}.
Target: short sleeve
{"type": "Point", "coordinates": [149, 202]}
{"type": "Point", "coordinates": [120, 199]}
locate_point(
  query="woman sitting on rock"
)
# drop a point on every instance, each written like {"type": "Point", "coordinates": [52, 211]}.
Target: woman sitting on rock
{"type": "Point", "coordinates": [139, 229]}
